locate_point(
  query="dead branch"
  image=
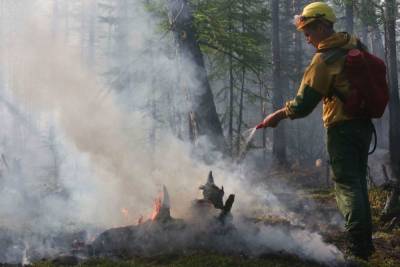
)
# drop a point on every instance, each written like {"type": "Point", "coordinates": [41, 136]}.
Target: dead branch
{"type": "Point", "coordinates": [391, 209]}
{"type": "Point", "coordinates": [392, 224]}
{"type": "Point", "coordinates": [385, 174]}
{"type": "Point", "coordinates": [370, 178]}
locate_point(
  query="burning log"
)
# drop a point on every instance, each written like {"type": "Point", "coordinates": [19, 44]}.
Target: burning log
{"type": "Point", "coordinates": [156, 234]}
{"type": "Point", "coordinates": [213, 195]}
{"type": "Point", "coordinates": [143, 238]}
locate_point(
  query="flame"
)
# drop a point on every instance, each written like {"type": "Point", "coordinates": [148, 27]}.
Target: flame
{"type": "Point", "coordinates": [125, 213]}
{"type": "Point", "coordinates": [156, 208]}
{"type": "Point", "coordinates": [161, 206]}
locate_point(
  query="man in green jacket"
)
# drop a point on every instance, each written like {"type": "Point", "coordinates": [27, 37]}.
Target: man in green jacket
{"type": "Point", "coordinates": [348, 137]}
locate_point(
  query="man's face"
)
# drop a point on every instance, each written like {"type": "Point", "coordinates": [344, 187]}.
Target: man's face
{"type": "Point", "coordinates": [314, 35]}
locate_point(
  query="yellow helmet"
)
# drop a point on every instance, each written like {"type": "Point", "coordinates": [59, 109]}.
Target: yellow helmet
{"type": "Point", "coordinates": [313, 11]}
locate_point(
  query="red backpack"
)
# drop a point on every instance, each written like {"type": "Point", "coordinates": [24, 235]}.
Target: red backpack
{"type": "Point", "coordinates": [369, 92]}
{"type": "Point", "coordinates": [366, 73]}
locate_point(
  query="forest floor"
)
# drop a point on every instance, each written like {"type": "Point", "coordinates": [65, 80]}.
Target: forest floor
{"type": "Point", "coordinates": [387, 243]}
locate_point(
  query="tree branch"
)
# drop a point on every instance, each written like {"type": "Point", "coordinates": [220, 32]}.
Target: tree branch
{"type": "Point", "coordinates": [201, 42]}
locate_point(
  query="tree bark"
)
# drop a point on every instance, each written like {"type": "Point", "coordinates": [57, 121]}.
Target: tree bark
{"type": "Point", "coordinates": [377, 48]}
{"type": "Point", "coordinates": [349, 10]}
{"type": "Point", "coordinates": [92, 33]}
{"type": "Point", "coordinates": [230, 125]}
{"type": "Point", "coordinates": [196, 79]}
{"type": "Point", "coordinates": [394, 105]}
{"type": "Point", "coordinates": [364, 17]}
{"type": "Point", "coordinates": [240, 118]}
{"type": "Point", "coordinates": [298, 45]}
{"type": "Point", "coordinates": [279, 139]}
{"type": "Point", "coordinates": [242, 88]}
{"type": "Point", "coordinates": [298, 128]}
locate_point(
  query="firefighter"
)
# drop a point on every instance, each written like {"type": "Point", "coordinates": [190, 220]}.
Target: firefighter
{"type": "Point", "coordinates": [348, 138]}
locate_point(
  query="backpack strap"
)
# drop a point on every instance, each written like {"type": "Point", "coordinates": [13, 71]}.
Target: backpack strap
{"type": "Point", "coordinates": [361, 46]}
{"type": "Point", "coordinates": [330, 56]}
{"type": "Point", "coordinates": [375, 140]}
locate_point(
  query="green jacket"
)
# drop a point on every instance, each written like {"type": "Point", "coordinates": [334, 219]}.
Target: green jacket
{"type": "Point", "coordinates": [324, 73]}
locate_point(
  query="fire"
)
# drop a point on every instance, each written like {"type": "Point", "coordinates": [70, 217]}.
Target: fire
{"type": "Point", "coordinates": [156, 208]}
{"type": "Point", "coordinates": [161, 206]}
{"type": "Point", "coordinates": [125, 213]}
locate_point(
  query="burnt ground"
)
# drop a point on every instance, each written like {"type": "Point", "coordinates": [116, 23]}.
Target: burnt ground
{"type": "Point", "coordinates": [313, 201]}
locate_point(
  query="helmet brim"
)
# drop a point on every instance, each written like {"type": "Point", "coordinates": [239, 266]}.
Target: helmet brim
{"type": "Point", "coordinates": [300, 24]}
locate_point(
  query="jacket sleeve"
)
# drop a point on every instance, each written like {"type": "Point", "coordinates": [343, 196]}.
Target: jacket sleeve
{"type": "Point", "coordinates": [303, 104]}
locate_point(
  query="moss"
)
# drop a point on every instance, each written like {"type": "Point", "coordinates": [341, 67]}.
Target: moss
{"type": "Point", "coordinates": [320, 195]}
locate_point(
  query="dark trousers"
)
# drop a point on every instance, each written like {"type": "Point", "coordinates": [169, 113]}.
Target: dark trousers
{"type": "Point", "coordinates": [348, 145]}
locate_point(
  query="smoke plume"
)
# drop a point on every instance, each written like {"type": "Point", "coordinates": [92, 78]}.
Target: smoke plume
{"type": "Point", "coordinates": [82, 153]}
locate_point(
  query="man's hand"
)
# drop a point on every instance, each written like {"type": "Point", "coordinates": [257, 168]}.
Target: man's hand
{"type": "Point", "coordinates": [273, 119]}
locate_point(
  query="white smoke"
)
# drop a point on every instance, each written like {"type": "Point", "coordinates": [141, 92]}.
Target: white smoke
{"type": "Point", "coordinates": [106, 162]}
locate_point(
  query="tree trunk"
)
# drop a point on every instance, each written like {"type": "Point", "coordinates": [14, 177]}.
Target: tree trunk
{"type": "Point", "coordinates": [377, 48]}
{"type": "Point", "coordinates": [298, 45]}
{"type": "Point", "coordinates": [242, 88]}
{"type": "Point", "coordinates": [240, 118]}
{"type": "Point", "coordinates": [92, 33]}
{"type": "Point", "coordinates": [66, 22]}
{"type": "Point", "coordinates": [349, 16]}
{"type": "Point", "coordinates": [279, 139]}
{"type": "Point", "coordinates": [153, 105]}
{"type": "Point", "coordinates": [55, 25]}
{"type": "Point", "coordinates": [196, 79]}
{"type": "Point", "coordinates": [298, 68]}
{"type": "Point", "coordinates": [364, 17]}
{"type": "Point", "coordinates": [263, 92]}
{"type": "Point", "coordinates": [394, 105]}
{"type": "Point", "coordinates": [230, 125]}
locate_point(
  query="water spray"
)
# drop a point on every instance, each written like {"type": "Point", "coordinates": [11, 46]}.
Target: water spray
{"type": "Point", "coordinates": [247, 137]}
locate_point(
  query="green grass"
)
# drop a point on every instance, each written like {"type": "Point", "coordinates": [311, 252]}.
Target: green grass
{"type": "Point", "coordinates": [196, 260]}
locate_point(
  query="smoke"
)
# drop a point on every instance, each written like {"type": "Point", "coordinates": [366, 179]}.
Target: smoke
{"type": "Point", "coordinates": [82, 153]}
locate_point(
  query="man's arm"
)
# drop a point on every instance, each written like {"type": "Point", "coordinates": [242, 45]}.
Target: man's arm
{"type": "Point", "coordinates": [316, 84]}
{"type": "Point", "coordinates": [302, 105]}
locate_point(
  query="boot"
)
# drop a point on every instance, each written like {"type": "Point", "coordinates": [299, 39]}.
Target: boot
{"type": "Point", "coordinates": [370, 245]}
{"type": "Point", "coordinates": [358, 246]}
